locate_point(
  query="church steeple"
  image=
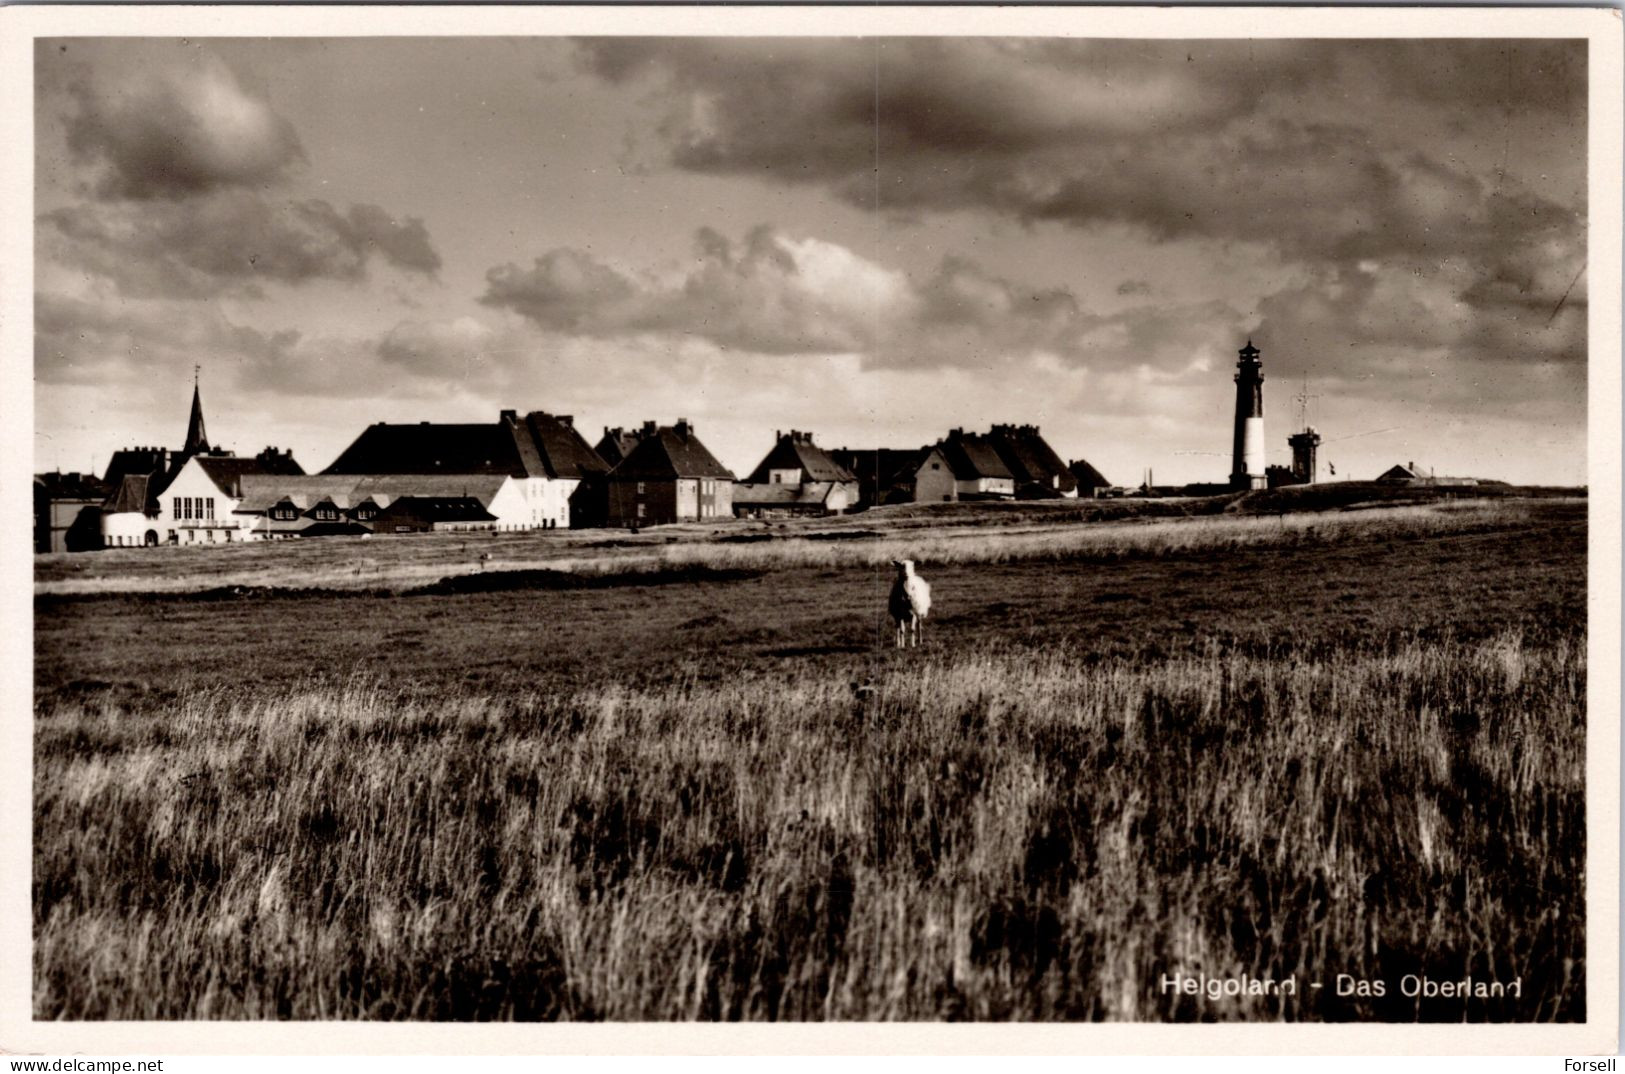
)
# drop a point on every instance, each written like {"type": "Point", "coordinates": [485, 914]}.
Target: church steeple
{"type": "Point", "coordinates": [197, 441]}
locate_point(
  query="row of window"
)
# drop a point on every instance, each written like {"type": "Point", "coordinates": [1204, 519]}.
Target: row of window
{"type": "Point", "coordinates": [189, 508]}
{"type": "Point", "coordinates": [324, 513]}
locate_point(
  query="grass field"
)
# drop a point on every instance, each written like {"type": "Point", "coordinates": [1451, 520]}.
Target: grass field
{"type": "Point", "coordinates": [700, 786]}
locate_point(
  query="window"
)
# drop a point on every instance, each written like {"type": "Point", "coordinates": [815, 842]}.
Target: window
{"type": "Point", "coordinates": [642, 510]}
{"type": "Point", "coordinates": [640, 488]}
{"type": "Point", "coordinates": [936, 466]}
{"type": "Point", "coordinates": [208, 508]}
{"type": "Point", "coordinates": [175, 507]}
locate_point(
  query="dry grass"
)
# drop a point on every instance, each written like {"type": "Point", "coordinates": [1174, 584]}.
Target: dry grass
{"type": "Point", "coordinates": [991, 834]}
{"type": "Point", "coordinates": [402, 562]}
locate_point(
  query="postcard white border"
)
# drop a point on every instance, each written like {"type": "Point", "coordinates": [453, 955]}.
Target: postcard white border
{"type": "Point", "coordinates": [19, 1033]}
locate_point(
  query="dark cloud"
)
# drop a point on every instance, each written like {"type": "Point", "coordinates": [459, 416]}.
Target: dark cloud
{"type": "Point", "coordinates": [930, 98]}
{"type": "Point", "coordinates": [1202, 140]}
{"type": "Point", "coordinates": [229, 242]}
{"type": "Point", "coordinates": [185, 128]}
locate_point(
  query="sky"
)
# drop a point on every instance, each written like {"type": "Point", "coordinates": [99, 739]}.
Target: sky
{"type": "Point", "coordinates": [874, 239]}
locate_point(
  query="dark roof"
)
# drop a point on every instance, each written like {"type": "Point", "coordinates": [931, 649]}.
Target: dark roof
{"type": "Point", "coordinates": [73, 486]}
{"type": "Point", "coordinates": [880, 466]}
{"type": "Point", "coordinates": [428, 448]}
{"type": "Point", "coordinates": [1088, 477]}
{"type": "Point", "coordinates": [670, 452]}
{"type": "Point", "coordinates": [142, 460]}
{"type": "Point", "coordinates": [971, 457]}
{"type": "Point", "coordinates": [136, 493]}
{"type": "Point", "coordinates": [540, 445]}
{"type": "Point", "coordinates": [616, 444]}
{"type": "Point", "coordinates": [227, 471]}
{"type": "Point", "coordinates": [562, 450]}
{"type": "Point", "coordinates": [1029, 458]}
{"type": "Point", "coordinates": [796, 451]}
{"type": "Point", "coordinates": [438, 509]}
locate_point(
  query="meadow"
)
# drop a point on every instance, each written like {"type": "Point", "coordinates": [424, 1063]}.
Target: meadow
{"type": "Point", "coordinates": [689, 780]}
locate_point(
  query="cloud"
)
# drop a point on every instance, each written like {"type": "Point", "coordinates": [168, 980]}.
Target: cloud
{"type": "Point", "coordinates": [230, 242]}
{"type": "Point", "coordinates": [95, 342]}
{"type": "Point", "coordinates": [957, 97]}
{"type": "Point", "coordinates": [769, 294]}
{"type": "Point", "coordinates": [1210, 141]}
{"type": "Point", "coordinates": [126, 345]}
{"type": "Point", "coordinates": [775, 294]}
{"type": "Point", "coordinates": [435, 347]}
{"type": "Point", "coordinates": [185, 128]}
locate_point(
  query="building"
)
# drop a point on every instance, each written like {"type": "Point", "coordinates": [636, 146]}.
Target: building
{"type": "Point", "coordinates": [669, 476]}
{"type": "Point", "coordinates": [973, 461]}
{"type": "Point", "coordinates": [1247, 469]}
{"type": "Point", "coordinates": [68, 512]}
{"type": "Point", "coordinates": [325, 505]}
{"type": "Point", "coordinates": [434, 514]}
{"type": "Point", "coordinates": [1091, 482]}
{"type": "Point", "coordinates": [1304, 447]}
{"type": "Point", "coordinates": [616, 444]}
{"type": "Point", "coordinates": [1412, 474]}
{"type": "Point", "coordinates": [542, 453]}
{"type": "Point", "coordinates": [275, 507]}
{"type": "Point", "coordinates": [884, 475]}
{"type": "Point", "coordinates": [198, 504]}
{"type": "Point", "coordinates": [801, 500]}
{"type": "Point", "coordinates": [796, 477]}
{"type": "Point", "coordinates": [1038, 471]}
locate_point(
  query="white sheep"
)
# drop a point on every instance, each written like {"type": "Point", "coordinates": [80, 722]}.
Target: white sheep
{"type": "Point", "coordinates": [910, 603]}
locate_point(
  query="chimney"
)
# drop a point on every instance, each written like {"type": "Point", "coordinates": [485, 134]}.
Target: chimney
{"type": "Point", "coordinates": [511, 417]}
{"type": "Point", "coordinates": [682, 429]}
{"type": "Point", "coordinates": [567, 420]}
{"type": "Point", "coordinates": [648, 429]}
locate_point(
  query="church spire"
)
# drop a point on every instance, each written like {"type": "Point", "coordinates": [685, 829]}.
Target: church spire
{"type": "Point", "coordinates": [196, 439]}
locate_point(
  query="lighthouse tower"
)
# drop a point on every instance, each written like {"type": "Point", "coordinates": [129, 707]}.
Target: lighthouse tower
{"type": "Point", "coordinates": [1247, 470]}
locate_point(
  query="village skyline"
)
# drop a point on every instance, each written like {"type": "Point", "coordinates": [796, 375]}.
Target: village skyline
{"type": "Point", "coordinates": [1072, 234]}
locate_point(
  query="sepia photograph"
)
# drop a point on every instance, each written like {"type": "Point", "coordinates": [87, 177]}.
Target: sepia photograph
{"type": "Point", "coordinates": [992, 521]}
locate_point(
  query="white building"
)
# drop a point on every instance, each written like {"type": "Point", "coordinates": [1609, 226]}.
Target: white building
{"type": "Point", "coordinates": [525, 471]}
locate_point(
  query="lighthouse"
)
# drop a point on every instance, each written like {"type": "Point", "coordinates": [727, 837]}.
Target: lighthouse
{"type": "Point", "coordinates": [1247, 471]}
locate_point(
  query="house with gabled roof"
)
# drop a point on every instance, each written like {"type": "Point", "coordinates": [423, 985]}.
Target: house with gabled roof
{"type": "Point", "coordinates": [1039, 472]}
{"type": "Point", "coordinates": [669, 476]}
{"type": "Point", "coordinates": [543, 456]}
{"type": "Point", "coordinates": [1412, 474]}
{"type": "Point", "coordinates": [197, 504]}
{"type": "Point", "coordinates": [1091, 482]}
{"type": "Point", "coordinates": [978, 471]}
{"type": "Point", "coordinates": [796, 477]}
